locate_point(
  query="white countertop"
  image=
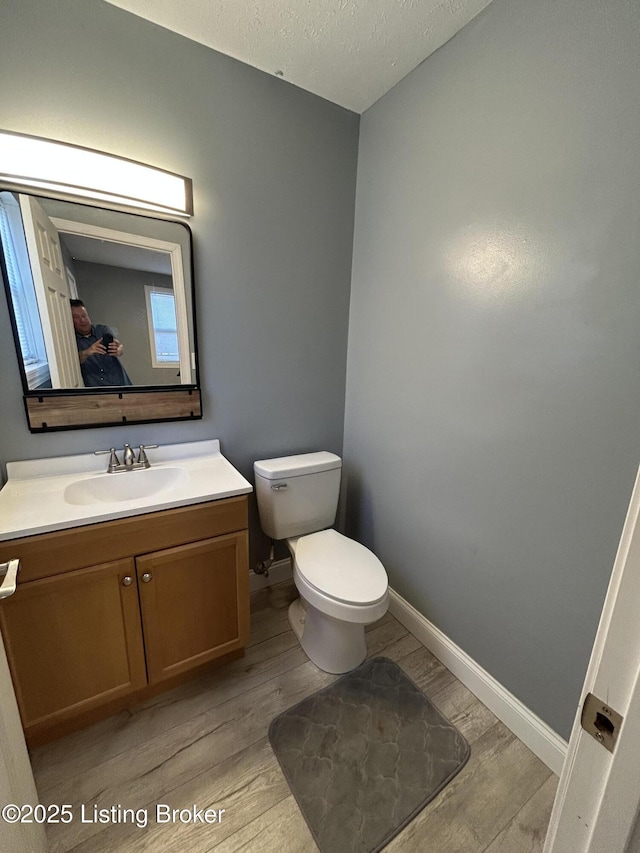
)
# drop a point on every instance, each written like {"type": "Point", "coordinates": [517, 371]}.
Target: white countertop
{"type": "Point", "coordinates": [32, 501]}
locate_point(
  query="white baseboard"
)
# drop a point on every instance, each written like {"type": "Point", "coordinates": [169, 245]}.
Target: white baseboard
{"type": "Point", "coordinates": [530, 729]}
{"type": "Point", "coordinates": [280, 570]}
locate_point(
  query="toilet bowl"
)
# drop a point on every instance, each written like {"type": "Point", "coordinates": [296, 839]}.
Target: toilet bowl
{"type": "Point", "coordinates": [343, 586]}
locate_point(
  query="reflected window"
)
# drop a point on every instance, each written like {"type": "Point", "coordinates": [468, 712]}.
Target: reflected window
{"type": "Point", "coordinates": [163, 327]}
{"type": "Point", "coordinates": [23, 298]}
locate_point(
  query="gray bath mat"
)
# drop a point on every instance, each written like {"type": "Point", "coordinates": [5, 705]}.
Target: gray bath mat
{"type": "Point", "coordinates": [365, 755]}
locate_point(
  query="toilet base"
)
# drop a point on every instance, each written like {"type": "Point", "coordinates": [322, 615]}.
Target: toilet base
{"type": "Point", "coordinates": [333, 645]}
{"type": "Point", "coordinates": [297, 617]}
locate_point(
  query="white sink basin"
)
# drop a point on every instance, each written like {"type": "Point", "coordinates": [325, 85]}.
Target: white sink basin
{"type": "Point", "coordinates": [42, 495]}
{"type": "Point", "coordinates": [125, 486]}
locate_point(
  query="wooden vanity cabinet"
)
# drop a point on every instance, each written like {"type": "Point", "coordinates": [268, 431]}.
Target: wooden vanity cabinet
{"type": "Point", "coordinates": [170, 594]}
{"type": "Point", "coordinates": [189, 604]}
{"type": "Point", "coordinates": [73, 642]}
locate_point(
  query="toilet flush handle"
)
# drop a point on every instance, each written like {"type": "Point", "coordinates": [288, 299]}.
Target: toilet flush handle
{"type": "Point", "coordinates": [279, 487]}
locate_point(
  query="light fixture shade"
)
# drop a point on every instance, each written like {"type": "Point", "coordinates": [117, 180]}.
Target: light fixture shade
{"type": "Point", "coordinates": [30, 162]}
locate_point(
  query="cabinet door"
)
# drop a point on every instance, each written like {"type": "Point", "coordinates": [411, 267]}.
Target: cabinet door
{"type": "Point", "coordinates": [195, 603]}
{"type": "Point", "coordinates": [73, 642]}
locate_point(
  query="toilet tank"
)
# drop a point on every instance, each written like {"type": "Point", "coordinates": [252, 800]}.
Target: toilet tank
{"type": "Point", "coordinates": [297, 494]}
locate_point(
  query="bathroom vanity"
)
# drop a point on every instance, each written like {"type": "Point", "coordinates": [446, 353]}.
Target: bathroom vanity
{"type": "Point", "coordinates": [119, 599]}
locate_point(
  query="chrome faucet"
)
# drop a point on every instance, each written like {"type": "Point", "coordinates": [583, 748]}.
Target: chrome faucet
{"type": "Point", "coordinates": [129, 461]}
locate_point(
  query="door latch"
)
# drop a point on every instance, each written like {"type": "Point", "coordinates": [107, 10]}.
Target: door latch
{"type": "Point", "coordinates": [601, 721]}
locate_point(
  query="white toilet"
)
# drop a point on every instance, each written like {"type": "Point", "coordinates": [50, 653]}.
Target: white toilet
{"type": "Point", "coordinates": [342, 585]}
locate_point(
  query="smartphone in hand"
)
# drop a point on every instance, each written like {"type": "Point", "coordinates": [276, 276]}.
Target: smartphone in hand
{"type": "Point", "coordinates": [106, 340]}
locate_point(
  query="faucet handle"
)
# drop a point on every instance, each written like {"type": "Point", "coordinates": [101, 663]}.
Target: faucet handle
{"type": "Point", "coordinates": [113, 461]}
{"type": "Point", "coordinates": [142, 456]}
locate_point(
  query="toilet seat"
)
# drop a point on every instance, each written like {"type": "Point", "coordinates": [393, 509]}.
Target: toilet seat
{"type": "Point", "coordinates": [340, 569]}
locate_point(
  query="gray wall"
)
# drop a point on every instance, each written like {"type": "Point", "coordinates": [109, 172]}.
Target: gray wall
{"type": "Point", "coordinates": [493, 390]}
{"type": "Point", "coordinates": [273, 172]}
{"type": "Point", "coordinates": [634, 842]}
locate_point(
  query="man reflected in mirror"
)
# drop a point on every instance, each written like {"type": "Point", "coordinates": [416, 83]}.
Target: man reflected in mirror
{"type": "Point", "coordinates": [98, 350]}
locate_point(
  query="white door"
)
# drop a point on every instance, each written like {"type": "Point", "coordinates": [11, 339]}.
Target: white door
{"type": "Point", "coordinates": [16, 779]}
{"type": "Point", "coordinates": [52, 293]}
{"type": "Point", "coordinates": [599, 791]}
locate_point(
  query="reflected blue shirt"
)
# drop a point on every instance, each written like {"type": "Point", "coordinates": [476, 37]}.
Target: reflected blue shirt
{"type": "Point", "coordinates": [100, 369]}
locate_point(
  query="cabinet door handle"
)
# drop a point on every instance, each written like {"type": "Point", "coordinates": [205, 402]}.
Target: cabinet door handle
{"type": "Point", "coordinates": [146, 577]}
{"type": "Point", "coordinates": [127, 581]}
{"type": "Point", "coordinates": [9, 575]}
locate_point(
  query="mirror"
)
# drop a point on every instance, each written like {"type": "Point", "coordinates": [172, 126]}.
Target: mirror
{"type": "Point", "coordinates": [133, 276]}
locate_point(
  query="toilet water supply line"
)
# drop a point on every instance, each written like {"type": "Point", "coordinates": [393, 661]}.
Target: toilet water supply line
{"type": "Point", "coordinates": [263, 567]}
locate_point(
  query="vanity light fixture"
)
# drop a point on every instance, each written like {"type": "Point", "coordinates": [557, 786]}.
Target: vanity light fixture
{"type": "Point", "coordinates": [28, 162]}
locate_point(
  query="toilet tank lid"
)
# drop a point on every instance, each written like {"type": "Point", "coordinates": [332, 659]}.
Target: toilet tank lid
{"type": "Point", "coordinates": [296, 466]}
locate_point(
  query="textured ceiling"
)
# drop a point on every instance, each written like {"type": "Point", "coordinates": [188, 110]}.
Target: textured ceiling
{"type": "Point", "coordinates": [348, 51]}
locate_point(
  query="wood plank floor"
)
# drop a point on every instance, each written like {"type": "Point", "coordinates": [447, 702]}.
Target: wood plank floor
{"type": "Point", "coordinates": [205, 744]}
